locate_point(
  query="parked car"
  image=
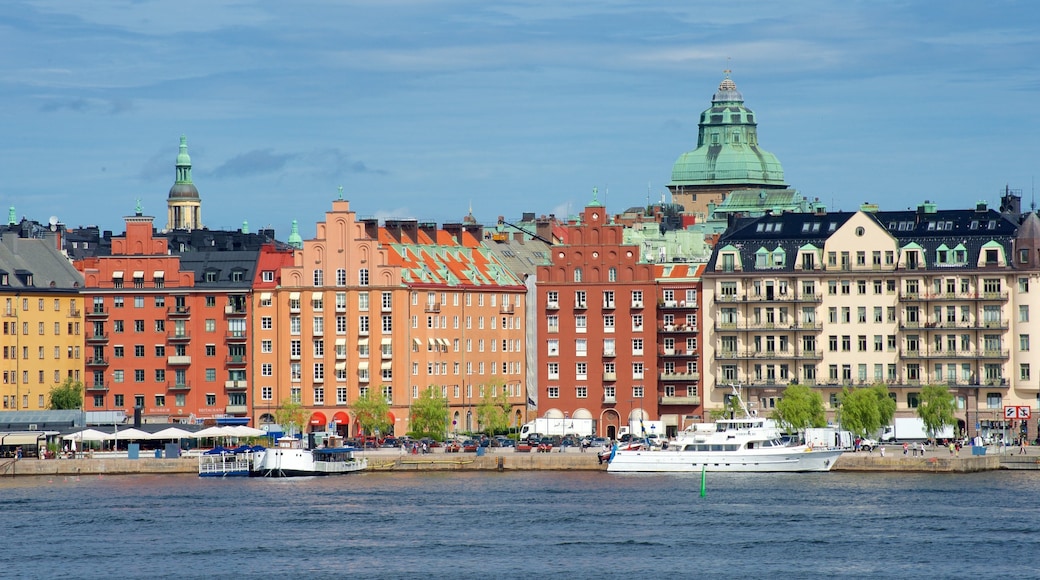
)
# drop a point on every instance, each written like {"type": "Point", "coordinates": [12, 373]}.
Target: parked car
{"type": "Point", "coordinates": [546, 444]}
{"type": "Point", "coordinates": [452, 447]}
{"type": "Point", "coordinates": [598, 442]}
{"type": "Point", "coordinates": [868, 444]}
{"type": "Point", "coordinates": [389, 443]}
{"type": "Point", "coordinates": [507, 442]}
{"type": "Point", "coordinates": [470, 445]}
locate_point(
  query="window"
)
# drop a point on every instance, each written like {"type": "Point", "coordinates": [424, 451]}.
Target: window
{"type": "Point", "coordinates": [363, 277]}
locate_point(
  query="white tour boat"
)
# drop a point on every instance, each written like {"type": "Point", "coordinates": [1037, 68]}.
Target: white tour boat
{"type": "Point", "coordinates": [290, 459]}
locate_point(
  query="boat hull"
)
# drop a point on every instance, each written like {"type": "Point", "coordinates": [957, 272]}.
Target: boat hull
{"type": "Point", "coordinates": [771, 461]}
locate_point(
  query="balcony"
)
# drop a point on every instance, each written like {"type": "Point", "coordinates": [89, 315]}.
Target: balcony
{"type": "Point", "coordinates": [610, 353]}
{"type": "Point", "coordinates": [552, 306]}
{"type": "Point", "coordinates": [236, 385]}
{"type": "Point", "coordinates": [609, 399]}
{"type": "Point", "coordinates": [677, 304]}
{"type": "Point", "coordinates": [581, 305]}
{"type": "Point", "coordinates": [97, 361]}
{"type": "Point", "coordinates": [235, 311]}
{"type": "Point", "coordinates": [102, 337]}
{"type": "Point", "coordinates": [75, 313]}
{"type": "Point", "coordinates": [677, 328]}
{"type": "Point", "coordinates": [178, 312]}
{"type": "Point", "coordinates": [610, 376]}
{"type": "Point", "coordinates": [237, 360]}
{"type": "Point", "coordinates": [363, 378]}
{"type": "Point", "coordinates": [236, 409]}
{"type": "Point", "coordinates": [178, 337]}
{"type": "Point", "coordinates": [665, 400]}
{"type": "Point", "coordinates": [181, 386]}
{"type": "Point", "coordinates": [178, 360]}
{"type": "Point", "coordinates": [637, 304]}
{"type": "Point", "coordinates": [96, 386]}
{"type": "Point", "coordinates": [958, 354]}
{"type": "Point", "coordinates": [608, 305]}
{"type": "Point", "coordinates": [506, 309]}
{"type": "Point", "coordinates": [97, 313]}
{"type": "Point", "coordinates": [241, 336]}
{"type": "Point", "coordinates": [680, 376]}
{"type": "Point", "coordinates": [677, 352]}
{"type": "Point", "coordinates": [432, 308]}
{"type": "Point", "coordinates": [953, 296]}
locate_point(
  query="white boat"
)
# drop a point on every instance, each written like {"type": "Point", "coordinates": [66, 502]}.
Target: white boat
{"type": "Point", "coordinates": [290, 459]}
{"type": "Point", "coordinates": [749, 445]}
{"type": "Point", "coordinates": [221, 462]}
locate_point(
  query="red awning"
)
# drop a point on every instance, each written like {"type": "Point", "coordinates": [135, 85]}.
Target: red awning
{"type": "Point", "coordinates": [318, 418]}
{"type": "Point", "coordinates": [340, 418]}
{"type": "Point", "coordinates": [390, 417]}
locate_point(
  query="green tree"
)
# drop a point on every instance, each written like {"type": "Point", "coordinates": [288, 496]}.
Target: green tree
{"type": "Point", "coordinates": [370, 411]}
{"type": "Point", "coordinates": [799, 408]}
{"type": "Point", "coordinates": [493, 410]}
{"type": "Point", "coordinates": [935, 408]}
{"type": "Point", "coordinates": [429, 414]}
{"type": "Point", "coordinates": [291, 416]}
{"type": "Point", "coordinates": [67, 395]}
{"type": "Point", "coordinates": [730, 408]}
{"type": "Point", "coordinates": [865, 411]}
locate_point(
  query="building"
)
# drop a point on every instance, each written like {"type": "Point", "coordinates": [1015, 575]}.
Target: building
{"type": "Point", "coordinates": [678, 344]}
{"type": "Point", "coordinates": [184, 206]}
{"type": "Point", "coordinates": [42, 319]}
{"type": "Point", "coordinates": [727, 157]}
{"type": "Point", "coordinates": [397, 307]}
{"type": "Point", "coordinates": [596, 335]}
{"type": "Point", "coordinates": [904, 298]}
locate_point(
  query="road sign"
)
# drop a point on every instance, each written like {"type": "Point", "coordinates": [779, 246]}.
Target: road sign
{"type": "Point", "coordinates": [1020, 412]}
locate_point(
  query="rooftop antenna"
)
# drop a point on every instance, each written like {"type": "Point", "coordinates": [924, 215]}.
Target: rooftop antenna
{"type": "Point", "coordinates": [1032, 193]}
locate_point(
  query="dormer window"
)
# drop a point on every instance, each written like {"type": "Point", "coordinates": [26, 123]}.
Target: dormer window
{"type": "Point", "coordinates": [210, 276]}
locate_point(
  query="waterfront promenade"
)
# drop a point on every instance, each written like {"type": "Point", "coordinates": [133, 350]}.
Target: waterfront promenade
{"type": "Point", "coordinates": [387, 460]}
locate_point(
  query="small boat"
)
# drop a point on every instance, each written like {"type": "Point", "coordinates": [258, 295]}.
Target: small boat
{"type": "Point", "coordinates": [290, 459]}
{"type": "Point", "coordinates": [224, 462]}
{"type": "Point", "coordinates": [749, 444]}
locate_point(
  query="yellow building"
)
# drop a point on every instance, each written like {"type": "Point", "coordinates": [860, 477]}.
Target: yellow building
{"type": "Point", "coordinates": [42, 320]}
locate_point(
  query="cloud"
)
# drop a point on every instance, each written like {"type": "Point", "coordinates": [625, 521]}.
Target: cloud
{"type": "Point", "coordinates": [253, 162]}
{"type": "Point", "coordinates": [87, 105]}
{"type": "Point", "coordinates": [333, 162]}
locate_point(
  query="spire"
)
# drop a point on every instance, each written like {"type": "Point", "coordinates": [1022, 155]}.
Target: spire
{"type": "Point", "coordinates": [341, 193]}
{"type": "Point", "coordinates": [138, 210]}
{"type": "Point", "coordinates": [245, 227]}
{"type": "Point", "coordinates": [12, 217]}
{"type": "Point", "coordinates": [183, 162]}
{"type": "Point", "coordinates": [294, 237]}
{"type": "Point", "coordinates": [595, 201]}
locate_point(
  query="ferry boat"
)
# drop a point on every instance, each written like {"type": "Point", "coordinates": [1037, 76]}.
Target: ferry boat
{"type": "Point", "coordinates": [223, 462]}
{"type": "Point", "coordinates": [290, 459]}
{"type": "Point", "coordinates": [748, 444]}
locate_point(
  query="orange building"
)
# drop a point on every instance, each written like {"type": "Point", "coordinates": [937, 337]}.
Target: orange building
{"type": "Point", "coordinates": [167, 334]}
{"type": "Point", "coordinates": [596, 333]}
{"type": "Point", "coordinates": [394, 308]}
{"type": "Point", "coordinates": [678, 344]}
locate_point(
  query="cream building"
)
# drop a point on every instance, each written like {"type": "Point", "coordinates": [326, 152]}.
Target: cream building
{"type": "Point", "coordinates": [905, 298]}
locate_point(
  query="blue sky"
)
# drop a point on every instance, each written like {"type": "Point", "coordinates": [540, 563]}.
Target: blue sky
{"type": "Point", "coordinates": [424, 108]}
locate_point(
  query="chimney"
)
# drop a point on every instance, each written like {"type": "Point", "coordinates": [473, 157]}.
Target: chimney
{"type": "Point", "coordinates": [430, 229]}
{"type": "Point", "coordinates": [455, 231]}
{"type": "Point", "coordinates": [543, 227]}
{"type": "Point", "coordinates": [476, 230]}
{"type": "Point", "coordinates": [371, 228]}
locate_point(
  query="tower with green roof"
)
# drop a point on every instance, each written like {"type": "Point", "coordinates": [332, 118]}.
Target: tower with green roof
{"type": "Point", "coordinates": [184, 207]}
{"type": "Point", "coordinates": [727, 157]}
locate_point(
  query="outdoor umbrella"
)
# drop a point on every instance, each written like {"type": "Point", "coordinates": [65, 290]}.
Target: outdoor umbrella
{"type": "Point", "coordinates": [88, 435]}
{"type": "Point", "coordinates": [171, 433]}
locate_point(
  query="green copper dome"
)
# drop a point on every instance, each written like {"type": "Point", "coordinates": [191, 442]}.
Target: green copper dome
{"type": "Point", "coordinates": [727, 150]}
{"type": "Point", "coordinates": [183, 188]}
{"type": "Point", "coordinates": [295, 240]}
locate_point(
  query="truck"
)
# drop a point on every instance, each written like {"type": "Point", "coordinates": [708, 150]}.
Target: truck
{"type": "Point", "coordinates": [829, 438]}
{"type": "Point", "coordinates": [560, 426]}
{"type": "Point", "coordinates": [912, 429]}
{"type": "Point", "coordinates": [636, 429]}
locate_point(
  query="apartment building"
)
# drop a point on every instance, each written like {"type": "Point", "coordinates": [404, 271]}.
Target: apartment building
{"type": "Point", "coordinates": [904, 298]}
{"type": "Point", "coordinates": [596, 333]}
{"type": "Point", "coordinates": [398, 308]}
{"type": "Point", "coordinates": [42, 320]}
{"type": "Point", "coordinates": [678, 344]}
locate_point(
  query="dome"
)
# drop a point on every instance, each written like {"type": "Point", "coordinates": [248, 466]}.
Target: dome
{"type": "Point", "coordinates": [727, 150]}
{"type": "Point", "coordinates": [184, 191]}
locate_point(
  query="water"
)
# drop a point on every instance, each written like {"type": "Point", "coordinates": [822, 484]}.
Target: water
{"type": "Point", "coordinates": [530, 524]}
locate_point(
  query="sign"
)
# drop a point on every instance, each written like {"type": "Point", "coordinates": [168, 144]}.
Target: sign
{"type": "Point", "coordinates": [1017, 412]}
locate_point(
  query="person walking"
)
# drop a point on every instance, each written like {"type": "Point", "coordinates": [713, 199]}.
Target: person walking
{"type": "Point", "coordinates": [1022, 446]}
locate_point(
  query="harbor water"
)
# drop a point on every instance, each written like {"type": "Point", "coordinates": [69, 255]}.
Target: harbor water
{"type": "Point", "coordinates": [523, 524]}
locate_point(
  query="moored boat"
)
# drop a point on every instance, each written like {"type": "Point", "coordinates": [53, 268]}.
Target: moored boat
{"type": "Point", "coordinates": [290, 459]}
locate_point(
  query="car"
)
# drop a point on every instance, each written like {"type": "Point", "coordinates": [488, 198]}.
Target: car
{"type": "Point", "coordinates": [389, 443]}
{"type": "Point", "coordinates": [546, 444]}
{"type": "Point", "coordinates": [452, 447]}
{"type": "Point", "coordinates": [598, 442]}
{"type": "Point", "coordinates": [469, 445]}
{"type": "Point", "coordinates": [507, 442]}
{"type": "Point", "coordinates": [868, 444]}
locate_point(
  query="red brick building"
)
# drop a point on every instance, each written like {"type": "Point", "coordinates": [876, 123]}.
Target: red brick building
{"type": "Point", "coordinates": [596, 334]}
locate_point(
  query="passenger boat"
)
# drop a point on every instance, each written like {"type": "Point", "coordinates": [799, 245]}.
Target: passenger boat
{"type": "Point", "coordinates": [748, 444]}
{"type": "Point", "coordinates": [290, 459]}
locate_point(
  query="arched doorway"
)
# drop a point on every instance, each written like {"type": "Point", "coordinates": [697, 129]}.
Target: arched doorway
{"type": "Point", "coordinates": [609, 421]}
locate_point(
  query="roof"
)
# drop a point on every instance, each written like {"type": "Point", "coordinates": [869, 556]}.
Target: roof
{"type": "Point", "coordinates": [223, 264]}
{"type": "Point", "coordinates": [37, 264]}
{"type": "Point", "coordinates": [445, 261]}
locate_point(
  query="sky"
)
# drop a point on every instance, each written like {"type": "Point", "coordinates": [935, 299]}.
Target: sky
{"type": "Point", "coordinates": [426, 109]}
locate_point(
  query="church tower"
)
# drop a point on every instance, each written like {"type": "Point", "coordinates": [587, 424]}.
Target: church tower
{"type": "Point", "coordinates": [727, 157]}
{"type": "Point", "coordinates": [184, 206]}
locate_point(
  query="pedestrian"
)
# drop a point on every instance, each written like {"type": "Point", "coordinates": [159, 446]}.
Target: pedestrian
{"type": "Point", "coordinates": [1022, 447]}
{"type": "Point", "coordinates": [906, 446]}
{"type": "Point", "coordinates": [951, 449]}
{"type": "Point", "coordinates": [882, 448]}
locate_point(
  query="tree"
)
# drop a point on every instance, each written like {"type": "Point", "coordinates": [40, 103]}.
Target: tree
{"type": "Point", "coordinates": [67, 395]}
{"type": "Point", "coordinates": [799, 408]}
{"type": "Point", "coordinates": [493, 410]}
{"type": "Point", "coordinates": [429, 414]}
{"type": "Point", "coordinates": [935, 408]}
{"type": "Point", "coordinates": [291, 416]}
{"type": "Point", "coordinates": [370, 411]}
{"type": "Point", "coordinates": [730, 408]}
{"type": "Point", "coordinates": [865, 411]}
